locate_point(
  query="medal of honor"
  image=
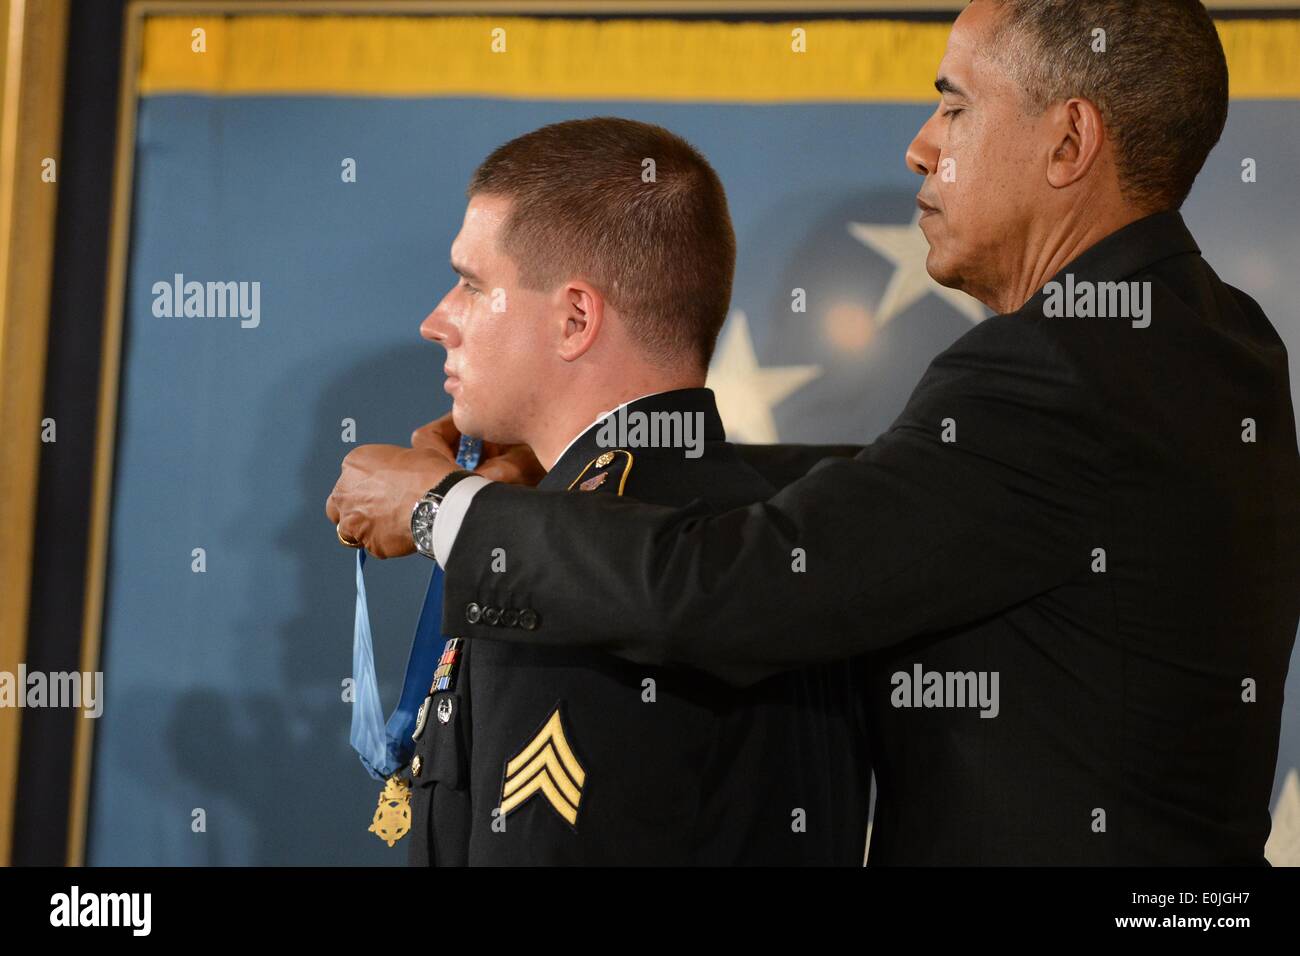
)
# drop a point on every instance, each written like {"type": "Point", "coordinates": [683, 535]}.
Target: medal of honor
{"type": "Point", "coordinates": [386, 748]}
{"type": "Point", "coordinates": [393, 815]}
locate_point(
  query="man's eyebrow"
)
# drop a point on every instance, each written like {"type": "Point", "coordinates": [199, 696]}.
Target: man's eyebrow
{"type": "Point", "coordinates": [463, 271]}
{"type": "Point", "coordinates": [945, 85]}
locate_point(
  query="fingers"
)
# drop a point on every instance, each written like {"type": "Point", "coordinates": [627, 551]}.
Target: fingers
{"type": "Point", "coordinates": [440, 434]}
{"type": "Point", "coordinates": [347, 538]}
{"type": "Point", "coordinates": [516, 465]}
{"type": "Point", "coordinates": [342, 528]}
{"type": "Point", "coordinates": [512, 464]}
{"type": "Point", "coordinates": [499, 470]}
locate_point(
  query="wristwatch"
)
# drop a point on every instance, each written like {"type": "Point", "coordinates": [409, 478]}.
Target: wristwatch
{"type": "Point", "coordinates": [426, 509]}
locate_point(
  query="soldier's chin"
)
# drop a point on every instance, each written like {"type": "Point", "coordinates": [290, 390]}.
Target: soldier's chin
{"type": "Point", "coordinates": [469, 423]}
{"type": "Point", "coordinates": [463, 419]}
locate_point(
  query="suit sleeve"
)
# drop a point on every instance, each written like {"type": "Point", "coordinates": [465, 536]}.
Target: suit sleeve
{"type": "Point", "coordinates": [781, 465]}
{"type": "Point", "coordinates": [984, 493]}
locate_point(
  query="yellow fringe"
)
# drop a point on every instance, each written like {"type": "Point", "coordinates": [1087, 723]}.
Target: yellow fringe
{"type": "Point", "coordinates": [564, 59]}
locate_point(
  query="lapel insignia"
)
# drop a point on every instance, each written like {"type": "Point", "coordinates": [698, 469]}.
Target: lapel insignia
{"type": "Point", "coordinates": [546, 766]}
{"type": "Point", "coordinates": [621, 461]}
{"type": "Point", "coordinates": [444, 678]}
{"type": "Point", "coordinates": [591, 484]}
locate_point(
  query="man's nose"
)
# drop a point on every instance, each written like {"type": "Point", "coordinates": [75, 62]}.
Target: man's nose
{"type": "Point", "coordinates": [923, 152]}
{"type": "Point", "coordinates": [436, 327]}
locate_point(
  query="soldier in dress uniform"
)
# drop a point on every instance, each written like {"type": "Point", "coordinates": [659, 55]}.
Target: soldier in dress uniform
{"type": "Point", "coordinates": [587, 285]}
{"type": "Point", "coordinates": [526, 755]}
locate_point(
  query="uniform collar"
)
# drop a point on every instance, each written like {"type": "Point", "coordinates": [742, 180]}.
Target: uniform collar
{"type": "Point", "coordinates": [586, 446]}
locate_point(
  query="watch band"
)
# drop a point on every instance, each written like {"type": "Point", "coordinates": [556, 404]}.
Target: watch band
{"type": "Point", "coordinates": [444, 486]}
{"type": "Point", "coordinates": [426, 510]}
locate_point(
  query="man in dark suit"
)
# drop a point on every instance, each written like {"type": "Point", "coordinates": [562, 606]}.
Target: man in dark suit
{"type": "Point", "coordinates": [1075, 554]}
{"type": "Point", "coordinates": [527, 756]}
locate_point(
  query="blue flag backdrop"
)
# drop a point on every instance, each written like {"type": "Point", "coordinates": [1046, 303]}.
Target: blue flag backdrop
{"type": "Point", "coordinates": [226, 708]}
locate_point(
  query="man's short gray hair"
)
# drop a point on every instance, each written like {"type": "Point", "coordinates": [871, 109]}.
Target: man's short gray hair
{"type": "Point", "coordinates": [1161, 83]}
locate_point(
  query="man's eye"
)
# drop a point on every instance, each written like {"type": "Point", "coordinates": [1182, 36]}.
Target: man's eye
{"type": "Point", "coordinates": [469, 288]}
{"type": "Point", "coordinates": [951, 112]}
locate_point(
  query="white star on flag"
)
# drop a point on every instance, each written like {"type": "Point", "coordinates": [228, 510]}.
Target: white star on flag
{"type": "Point", "coordinates": [906, 248]}
{"type": "Point", "coordinates": [746, 394]}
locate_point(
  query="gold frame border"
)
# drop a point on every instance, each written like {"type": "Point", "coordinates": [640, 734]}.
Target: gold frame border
{"type": "Point", "coordinates": [33, 44]}
{"type": "Point", "coordinates": [106, 427]}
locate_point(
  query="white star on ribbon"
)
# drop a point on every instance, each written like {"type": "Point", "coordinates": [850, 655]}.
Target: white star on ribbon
{"type": "Point", "coordinates": [745, 392]}
{"type": "Point", "coordinates": [906, 248]}
{"type": "Point", "coordinates": [1283, 846]}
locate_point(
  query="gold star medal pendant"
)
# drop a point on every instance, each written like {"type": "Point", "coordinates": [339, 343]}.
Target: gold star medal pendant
{"type": "Point", "coordinates": [392, 819]}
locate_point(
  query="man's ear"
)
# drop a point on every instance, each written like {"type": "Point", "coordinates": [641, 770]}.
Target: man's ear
{"type": "Point", "coordinates": [1080, 137]}
{"type": "Point", "coordinates": [582, 309]}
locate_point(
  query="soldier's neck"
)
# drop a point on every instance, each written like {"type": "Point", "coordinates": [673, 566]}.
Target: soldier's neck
{"type": "Point", "coordinates": [573, 417]}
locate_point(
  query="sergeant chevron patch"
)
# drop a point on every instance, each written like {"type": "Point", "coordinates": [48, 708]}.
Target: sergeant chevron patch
{"type": "Point", "coordinates": [545, 766]}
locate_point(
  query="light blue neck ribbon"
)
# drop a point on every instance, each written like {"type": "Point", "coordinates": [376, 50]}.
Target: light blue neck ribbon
{"type": "Point", "coordinates": [386, 748]}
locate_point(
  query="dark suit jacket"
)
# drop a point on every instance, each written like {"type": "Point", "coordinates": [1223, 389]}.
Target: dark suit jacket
{"type": "Point", "coordinates": [1099, 535]}
{"type": "Point", "coordinates": [586, 768]}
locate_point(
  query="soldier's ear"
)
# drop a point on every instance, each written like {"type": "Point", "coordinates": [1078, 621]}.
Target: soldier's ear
{"type": "Point", "coordinates": [582, 311]}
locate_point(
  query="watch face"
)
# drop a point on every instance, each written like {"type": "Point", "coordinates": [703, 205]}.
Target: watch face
{"type": "Point", "coordinates": [422, 525]}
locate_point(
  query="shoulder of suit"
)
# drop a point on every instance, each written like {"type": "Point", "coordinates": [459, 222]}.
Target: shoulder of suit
{"type": "Point", "coordinates": [1023, 343]}
{"type": "Point", "coordinates": [607, 472]}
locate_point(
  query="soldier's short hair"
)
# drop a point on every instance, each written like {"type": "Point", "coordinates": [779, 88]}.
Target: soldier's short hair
{"type": "Point", "coordinates": [633, 209]}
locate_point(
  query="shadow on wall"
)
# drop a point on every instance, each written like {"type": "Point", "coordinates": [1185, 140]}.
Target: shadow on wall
{"type": "Point", "coordinates": [281, 764]}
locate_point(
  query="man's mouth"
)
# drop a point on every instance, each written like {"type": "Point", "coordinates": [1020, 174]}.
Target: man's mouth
{"type": "Point", "coordinates": [453, 381]}
{"type": "Point", "coordinates": [925, 207]}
